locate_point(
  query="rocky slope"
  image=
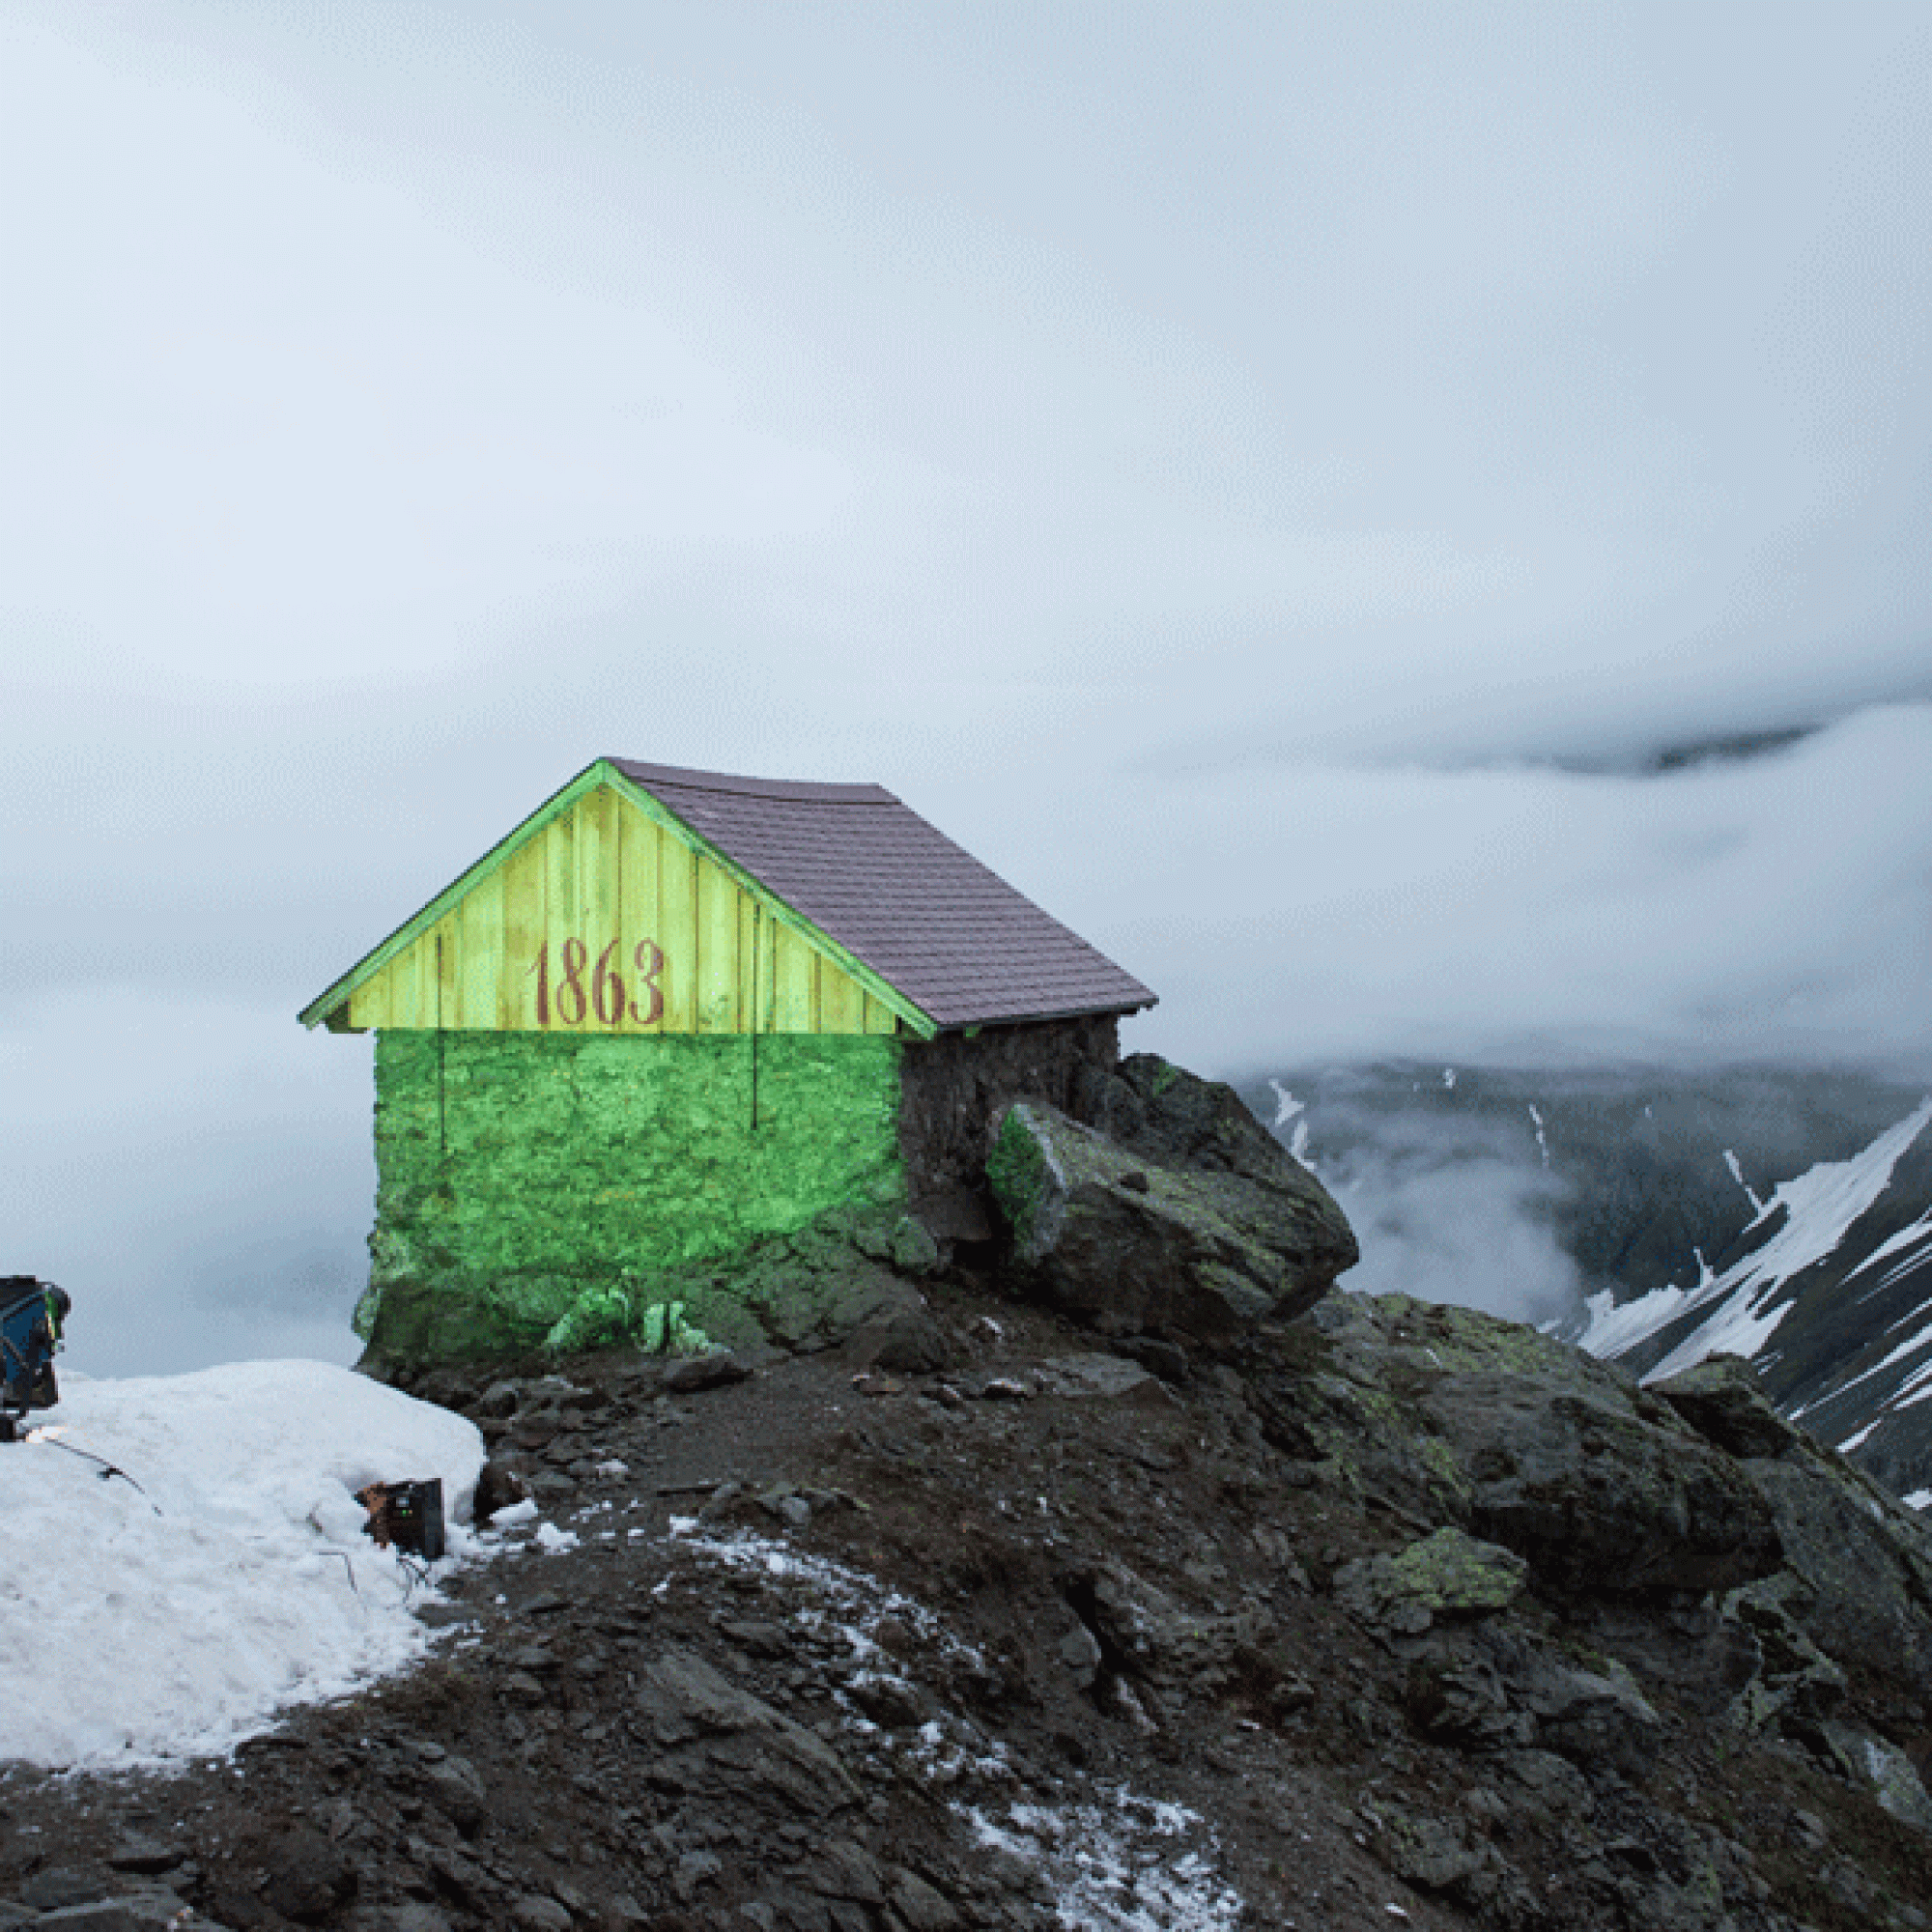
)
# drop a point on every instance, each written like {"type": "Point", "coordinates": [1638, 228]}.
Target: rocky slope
{"type": "Point", "coordinates": [1785, 1215]}
{"type": "Point", "coordinates": [982, 1617]}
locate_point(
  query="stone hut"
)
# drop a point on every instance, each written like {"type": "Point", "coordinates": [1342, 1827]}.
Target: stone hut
{"type": "Point", "coordinates": [678, 1024]}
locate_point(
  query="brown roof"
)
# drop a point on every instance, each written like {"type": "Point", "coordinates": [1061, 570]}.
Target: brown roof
{"type": "Point", "coordinates": [924, 914]}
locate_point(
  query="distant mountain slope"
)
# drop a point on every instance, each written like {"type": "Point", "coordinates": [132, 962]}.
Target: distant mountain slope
{"type": "Point", "coordinates": [1784, 1215]}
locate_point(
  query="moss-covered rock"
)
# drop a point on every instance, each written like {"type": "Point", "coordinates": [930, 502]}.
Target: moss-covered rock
{"type": "Point", "coordinates": [1132, 1246]}
{"type": "Point", "coordinates": [1444, 1576]}
{"type": "Point", "coordinates": [1596, 1494]}
{"type": "Point", "coordinates": [1171, 1117]}
{"type": "Point", "coordinates": [1531, 1445]}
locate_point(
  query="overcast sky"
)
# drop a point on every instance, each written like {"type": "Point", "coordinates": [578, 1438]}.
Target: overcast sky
{"type": "Point", "coordinates": [1269, 479]}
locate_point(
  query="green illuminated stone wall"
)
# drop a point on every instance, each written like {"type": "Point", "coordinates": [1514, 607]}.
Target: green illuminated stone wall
{"type": "Point", "coordinates": [540, 1189]}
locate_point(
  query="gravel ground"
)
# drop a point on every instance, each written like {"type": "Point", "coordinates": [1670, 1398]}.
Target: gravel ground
{"type": "Point", "coordinates": [1036, 1637]}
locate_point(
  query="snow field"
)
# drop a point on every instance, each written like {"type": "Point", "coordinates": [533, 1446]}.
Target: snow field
{"type": "Point", "coordinates": [139, 1625]}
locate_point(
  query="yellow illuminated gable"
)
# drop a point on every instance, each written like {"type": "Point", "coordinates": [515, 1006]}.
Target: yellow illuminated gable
{"type": "Point", "coordinates": [603, 914]}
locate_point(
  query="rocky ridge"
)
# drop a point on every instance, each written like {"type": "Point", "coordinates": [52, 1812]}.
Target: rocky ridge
{"type": "Point", "coordinates": [1000, 1610]}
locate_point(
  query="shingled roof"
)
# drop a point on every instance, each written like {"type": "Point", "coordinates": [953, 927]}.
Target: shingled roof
{"type": "Point", "coordinates": [922, 913]}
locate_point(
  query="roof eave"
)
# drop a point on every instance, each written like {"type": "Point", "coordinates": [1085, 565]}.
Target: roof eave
{"type": "Point", "coordinates": [1120, 1010]}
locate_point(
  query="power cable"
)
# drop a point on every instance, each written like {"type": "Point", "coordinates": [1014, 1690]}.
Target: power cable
{"type": "Point", "coordinates": [108, 1470]}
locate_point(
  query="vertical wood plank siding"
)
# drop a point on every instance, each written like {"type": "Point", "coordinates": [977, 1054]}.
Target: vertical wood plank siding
{"type": "Point", "coordinates": [603, 886]}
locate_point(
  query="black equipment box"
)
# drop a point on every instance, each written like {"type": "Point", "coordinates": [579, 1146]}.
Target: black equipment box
{"type": "Point", "coordinates": [408, 1515]}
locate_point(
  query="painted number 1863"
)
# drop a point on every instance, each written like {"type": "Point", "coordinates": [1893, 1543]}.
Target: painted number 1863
{"type": "Point", "coordinates": [604, 995]}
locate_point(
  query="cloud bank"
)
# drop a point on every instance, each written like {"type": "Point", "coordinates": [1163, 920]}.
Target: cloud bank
{"type": "Point", "coordinates": [1269, 483]}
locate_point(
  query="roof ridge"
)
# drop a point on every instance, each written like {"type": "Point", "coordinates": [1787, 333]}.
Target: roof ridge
{"type": "Point", "coordinates": [805, 789]}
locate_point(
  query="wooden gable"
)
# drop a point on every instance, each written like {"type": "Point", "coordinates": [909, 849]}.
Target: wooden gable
{"type": "Point", "coordinates": [604, 913]}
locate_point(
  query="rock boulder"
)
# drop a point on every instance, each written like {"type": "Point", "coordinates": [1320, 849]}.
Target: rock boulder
{"type": "Point", "coordinates": [1594, 1493]}
{"type": "Point", "coordinates": [1173, 1117]}
{"type": "Point", "coordinates": [1132, 1246]}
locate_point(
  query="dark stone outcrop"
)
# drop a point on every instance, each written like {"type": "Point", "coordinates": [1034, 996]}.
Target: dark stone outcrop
{"type": "Point", "coordinates": [1857, 1564]}
{"type": "Point", "coordinates": [1498, 1690]}
{"type": "Point", "coordinates": [1595, 1494]}
{"type": "Point", "coordinates": [1530, 1444]}
{"type": "Point", "coordinates": [1143, 1632]}
{"type": "Point", "coordinates": [1723, 1401]}
{"type": "Point", "coordinates": [710, 1734]}
{"type": "Point", "coordinates": [1395, 1605]}
{"type": "Point", "coordinates": [1861, 1562]}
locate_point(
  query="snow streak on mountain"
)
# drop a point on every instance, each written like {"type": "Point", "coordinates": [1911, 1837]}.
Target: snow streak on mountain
{"type": "Point", "coordinates": [1804, 1222]}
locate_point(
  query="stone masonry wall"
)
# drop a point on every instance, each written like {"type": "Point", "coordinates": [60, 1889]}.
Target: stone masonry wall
{"type": "Point", "coordinates": [531, 1179]}
{"type": "Point", "coordinates": [956, 1087]}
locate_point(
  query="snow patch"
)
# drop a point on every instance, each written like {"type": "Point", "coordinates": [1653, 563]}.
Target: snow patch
{"type": "Point", "coordinates": [1919, 1339]}
{"type": "Point", "coordinates": [1738, 1175]}
{"type": "Point", "coordinates": [1286, 1109]}
{"type": "Point", "coordinates": [1615, 1327]}
{"type": "Point", "coordinates": [1125, 1864]}
{"type": "Point", "coordinates": [1113, 1866]}
{"type": "Point", "coordinates": [141, 1626]}
{"type": "Point", "coordinates": [863, 1601]}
